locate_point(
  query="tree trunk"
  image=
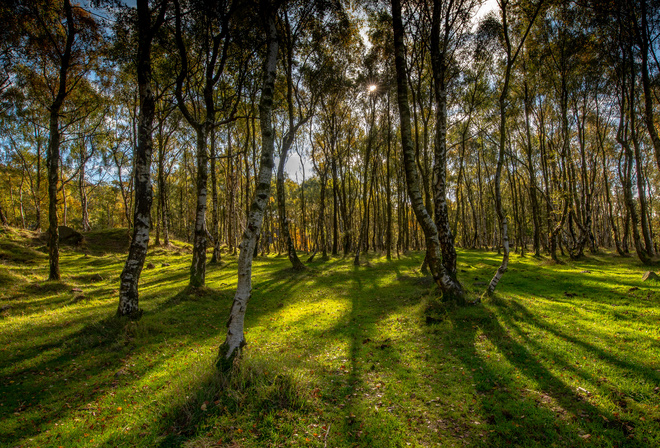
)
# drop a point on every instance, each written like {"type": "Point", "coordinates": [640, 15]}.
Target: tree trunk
{"type": "Point", "coordinates": [83, 192]}
{"type": "Point", "coordinates": [503, 100]}
{"type": "Point", "coordinates": [130, 276]}
{"type": "Point", "coordinates": [37, 195]}
{"type": "Point", "coordinates": [281, 203]}
{"type": "Point", "coordinates": [641, 191]}
{"type": "Point", "coordinates": [231, 182]}
{"type": "Point", "coordinates": [215, 233]}
{"type": "Point", "coordinates": [649, 118]}
{"type": "Point", "coordinates": [613, 226]}
{"type": "Point", "coordinates": [536, 220]}
{"type": "Point", "coordinates": [162, 192]}
{"type": "Point", "coordinates": [322, 233]}
{"type": "Point", "coordinates": [451, 289]}
{"type": "Point", "coordinates": [364, 221]}
{"type": "Point", "coordinates": [626, 125]}
{"type": "Point", "coordinates": [235, 339]}
{"type": "Point", "coordinates": [439, 65]}
{"type": "Point", "coordinates": [388, 186]}
{"type": "Point", "coordinates": [198, 265]}
{"type": "Point", "coordinates": [53, 155]}
{"type": "Point", "coordinates": [335, 207]}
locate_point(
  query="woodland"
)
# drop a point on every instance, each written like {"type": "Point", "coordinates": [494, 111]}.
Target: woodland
{"type": "Point", "coordinates": [329, 223]}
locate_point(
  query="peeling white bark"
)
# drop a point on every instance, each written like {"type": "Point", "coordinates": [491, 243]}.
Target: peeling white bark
{"type": "Point", "coordinates": [235, 337]}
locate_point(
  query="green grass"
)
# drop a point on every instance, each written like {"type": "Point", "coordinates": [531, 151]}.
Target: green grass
{"type": "Point", "coordinates": [338, 356]}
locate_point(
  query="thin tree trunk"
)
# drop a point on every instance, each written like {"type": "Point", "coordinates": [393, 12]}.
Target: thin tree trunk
{"type": "Point", "coordinates": [235, 340]}
{"type": "Point", "coordinates": [53, 155]}
{"type": "Point", "coordinates": [215, 233]}
{"type": "Point", "coordinates": [365, 188]}
{"type": "Point", "coordinates": [626, 177]}
{"type": "Point", "coordinates": [451, 289]}
{"type": "Point", "coordinates": [83, 192]}
{"type": "Point", "coordinates": [613, 226]}
{"type": "Point", "coordinates": [536, 219]}
{"type": "Point", "coordinates": [162, 193]}
{"type": "Point", "coordinates": [641, 191]}
{"type": "Point", "coordinates": [649, 118]}
{"type": "Point", "coordinates": [499, 209]}
{"type": "Point", "coordinates": [388, 184]}
{"type": "Point", "coordinates": [281, 204]}
{"type": "Point", "coordinates": [130, 276]}
{"type": "Point", "coordinates": [503, 100]}
{"type": "Point", "coordinates": [438, 63]}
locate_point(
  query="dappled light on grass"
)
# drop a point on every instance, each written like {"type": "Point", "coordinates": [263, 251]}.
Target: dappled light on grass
{"type": "Point", "coordinates": [338, 355]}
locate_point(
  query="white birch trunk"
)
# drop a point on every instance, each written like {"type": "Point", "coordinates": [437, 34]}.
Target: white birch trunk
{"type": "Point", "coordinates": [231, 347]}
{"type": "Point", "coordinates": [447, 285]}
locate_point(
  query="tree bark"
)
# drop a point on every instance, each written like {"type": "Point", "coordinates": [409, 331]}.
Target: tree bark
{"type": "Point", "coordinates": [439, 65]}
{"type": "Point", "coordinates": [364, 226]}
{"type": "Point", "coordinates": [451, 289]}
{"type": "Point", "coordinates": [53, 155]}
{"type": "Point", "coordinates": [536, 219]}
{"type": "Point", "coordinates": [130, 276]}
{"type": "Point", "coordinates": [215, 216]}
{"type": "Point", "coordinates": [281, 203]}
{"type": "Point", "coordinates": [503, 100]}
{"type": "Point", "coordinates": [162, 188]}
{"type": "Point", "coordinates": [235, 340]}
{"type": "Point", "coordinates": [198, 265]}
{"type": "Point", "coordinates": [649, 118]}
{"type": "Point", "coordinates": [388, 185]}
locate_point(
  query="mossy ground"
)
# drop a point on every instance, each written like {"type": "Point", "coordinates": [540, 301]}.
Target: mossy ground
{"type": "Point", "coordinates": [337, 356]}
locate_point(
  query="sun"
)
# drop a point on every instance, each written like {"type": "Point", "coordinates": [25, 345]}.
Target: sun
{"type": "Point", "coordinates": [373, 87]}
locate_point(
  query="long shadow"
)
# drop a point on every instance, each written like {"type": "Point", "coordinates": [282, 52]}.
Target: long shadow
{"type": "Point", "coordinates": [40, 392]}
{"type": "Point", "coordinates": [342, 384]}
{"type": "Point", "coordinates": [198, 317]}
{"type": "Point", "coordinates": [518, 312]}
{"type": "Point", "coordinates": [40, 395]}
{"type": "Point", "coordinates": [551, 414]}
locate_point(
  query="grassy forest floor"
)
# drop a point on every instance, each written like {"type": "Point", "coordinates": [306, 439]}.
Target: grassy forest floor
{"type": "Point", "coordinates": [338, 356]}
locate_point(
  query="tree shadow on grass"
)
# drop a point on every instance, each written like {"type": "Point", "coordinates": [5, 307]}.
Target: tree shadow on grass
{"type": "Point", "coordinates": [341, 387]}
{"type": "Point", "coordinates": [518, 312]}
{"type": "Point", "coordinates": [47, 382]}
{"type": "Point", "coordinates": [51, 383]}
{"type": "Point", "coordinates": [549, 412]}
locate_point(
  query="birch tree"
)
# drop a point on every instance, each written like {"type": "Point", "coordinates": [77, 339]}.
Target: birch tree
{"type": "Point", "coordinates": [147, 27]}
{"type": "Point", "coordinates": [203, 57]}
{"type": "Point", "coordinates": [512, 50]}
{"type": "Point", "coordinates": [451, 289]}
{"type": "Point", "coordinates": [449, 25]}
{"type": "Point", "coordinates": [235, 339]}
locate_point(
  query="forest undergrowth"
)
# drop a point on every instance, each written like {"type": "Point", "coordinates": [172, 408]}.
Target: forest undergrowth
{"type": "Point", "coordinates": [564, 355]}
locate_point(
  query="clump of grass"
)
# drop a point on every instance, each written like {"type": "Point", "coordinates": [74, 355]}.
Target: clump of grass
{"type": "Point", "coordinates": [435, 309]}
